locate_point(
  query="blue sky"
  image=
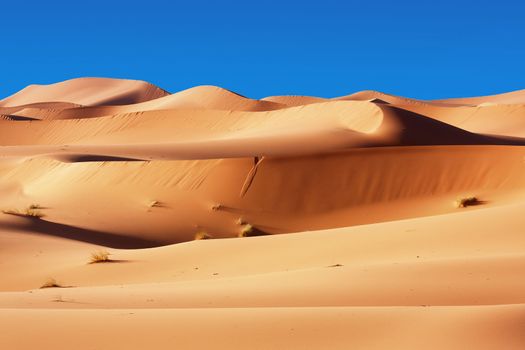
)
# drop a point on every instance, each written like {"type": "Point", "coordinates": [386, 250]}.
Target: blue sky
{"type": "Point", "coordinates": [421, 49]}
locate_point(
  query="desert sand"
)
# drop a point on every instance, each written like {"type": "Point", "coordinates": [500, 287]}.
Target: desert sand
{"type": "Point", "coordinates": [330, 223]}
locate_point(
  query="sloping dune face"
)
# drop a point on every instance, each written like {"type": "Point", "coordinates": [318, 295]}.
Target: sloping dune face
{"type": "Point", "coordinates": [372, 210]}
{"type": "Point", "coordinates": [87, 92]}
{"type": "Point", "coordinates": [509, 98]}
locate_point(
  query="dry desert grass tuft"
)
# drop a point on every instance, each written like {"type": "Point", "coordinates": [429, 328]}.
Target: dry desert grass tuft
{"type": "Point", "coordinates": [249, 230]}
{"type": "Point", "coordinates": [246, 231]}
{"type": "Point", "coordinates": [464, 202]}
{"type": "Point", "coordinates": [31, 211]}
{"type": "Point", "coordinates": [100, 256]}
{"type": "Point", "coordinates": [216, 206]}
{"type": "Point", "coordinates": [202, 235]}
{"type": "Point", "coordinates": [51, 283]}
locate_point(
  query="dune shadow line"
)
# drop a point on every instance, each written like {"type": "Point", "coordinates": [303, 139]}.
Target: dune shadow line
{"type": "Point", "coordinates": [107, 239]}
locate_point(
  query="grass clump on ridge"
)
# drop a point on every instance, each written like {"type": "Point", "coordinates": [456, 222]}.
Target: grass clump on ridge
{"type": "Point", "coordinates": [246, 231]}
{"type": "Point", "coordinates": [202, 235]}
{"type": "Point", "coordinates": [31, 211]}
{"type": "Point", "coordinates": [464, 202]}
{"type": "Point", "coordinates": [249, 230]}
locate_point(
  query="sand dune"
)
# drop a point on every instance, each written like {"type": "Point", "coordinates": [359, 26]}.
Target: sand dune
{"type": "Point", "coordinates": [514, 97]}
{"type": "Point", "coordinates": [361, 243]}
{"type": "Point", "coordinates": [128, 98]}
{"type": "Point", "coordinates": [86, 91]}
{"type": "Point", "coordinates": [198, 98]}
{"type": "Point", "coordinates": [505, 120]}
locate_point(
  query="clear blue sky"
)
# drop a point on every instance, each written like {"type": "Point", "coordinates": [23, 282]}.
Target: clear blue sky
{"type": "Point", "coordinates": [421, 49]}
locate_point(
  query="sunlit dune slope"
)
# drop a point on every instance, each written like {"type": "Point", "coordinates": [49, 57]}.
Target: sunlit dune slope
{"type": "Point", "coordinates": [88, 92]}
{"type": "Point", "coordinates": [514, 97]}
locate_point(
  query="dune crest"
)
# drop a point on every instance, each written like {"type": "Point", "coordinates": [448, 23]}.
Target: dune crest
{"type": "Point", "coordinates": [86, 92]}
{"type": "Point", "coordinates": [508, 98]}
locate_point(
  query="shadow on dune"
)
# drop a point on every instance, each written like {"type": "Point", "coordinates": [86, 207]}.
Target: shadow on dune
{"type": "Point", "coordinates": [81, 158]}
{"type": "Point", "coordinates": [230, 209]}
{"type": "Point", "coordinates": [106, 239]}
{"type": "Point", "coordinates": [19, 118]}
{"type": "Point", "coordinates": [475, 203]}
{"type": "Point", "coordinates": [112, 261]}
{"type": "Point", "coordinates": [420, 130]}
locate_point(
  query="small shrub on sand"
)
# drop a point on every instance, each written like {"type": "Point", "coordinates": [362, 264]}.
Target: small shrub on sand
{"type": "Point", "coordinates": [202, 235]}
{"type": "Point", "coordinates": [216, 206]}
{"type": "Point", "coordinates": [464, 202]}
{"type": "Point", "coordinates": [100, 256]}
{"type": "Point", "coordinates": [33, 213]}
{"type": "Point", "coordinates": [29, 212]}
{"type": "Point", "coordinates": [248, 230]}
{"type": "Point", "coordinates": [50, 283]}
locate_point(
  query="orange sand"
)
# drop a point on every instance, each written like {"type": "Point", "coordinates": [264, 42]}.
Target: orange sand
{"type": "Point", "coordinates": [361, 245]}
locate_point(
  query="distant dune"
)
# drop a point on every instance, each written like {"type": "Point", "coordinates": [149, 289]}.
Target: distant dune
{"type": "Point", "coordinates": [509, 98]}
{"type": "Point", "coordinates": [361, 243]}
{"type": "Point", "coordinates": [87, 92]}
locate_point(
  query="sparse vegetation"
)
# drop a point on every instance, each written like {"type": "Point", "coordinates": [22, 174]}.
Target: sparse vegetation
{"type": "Point", "coordinates": [464, 202]}
{"type": "Point", "coordinates": [246, 231]}
{"type": "Point", "coordinates": [249, 230]}
{"type": "Point", "coordinates": [101, 256]}
{"type": "Point", "coordinates": [216, 206]}
{"type": "Point", "coordinates": [51, 283]}
{"type": "Point", "coordinates": [202, 235]}
{"type": "Point", "coordinates": [31, 211]}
